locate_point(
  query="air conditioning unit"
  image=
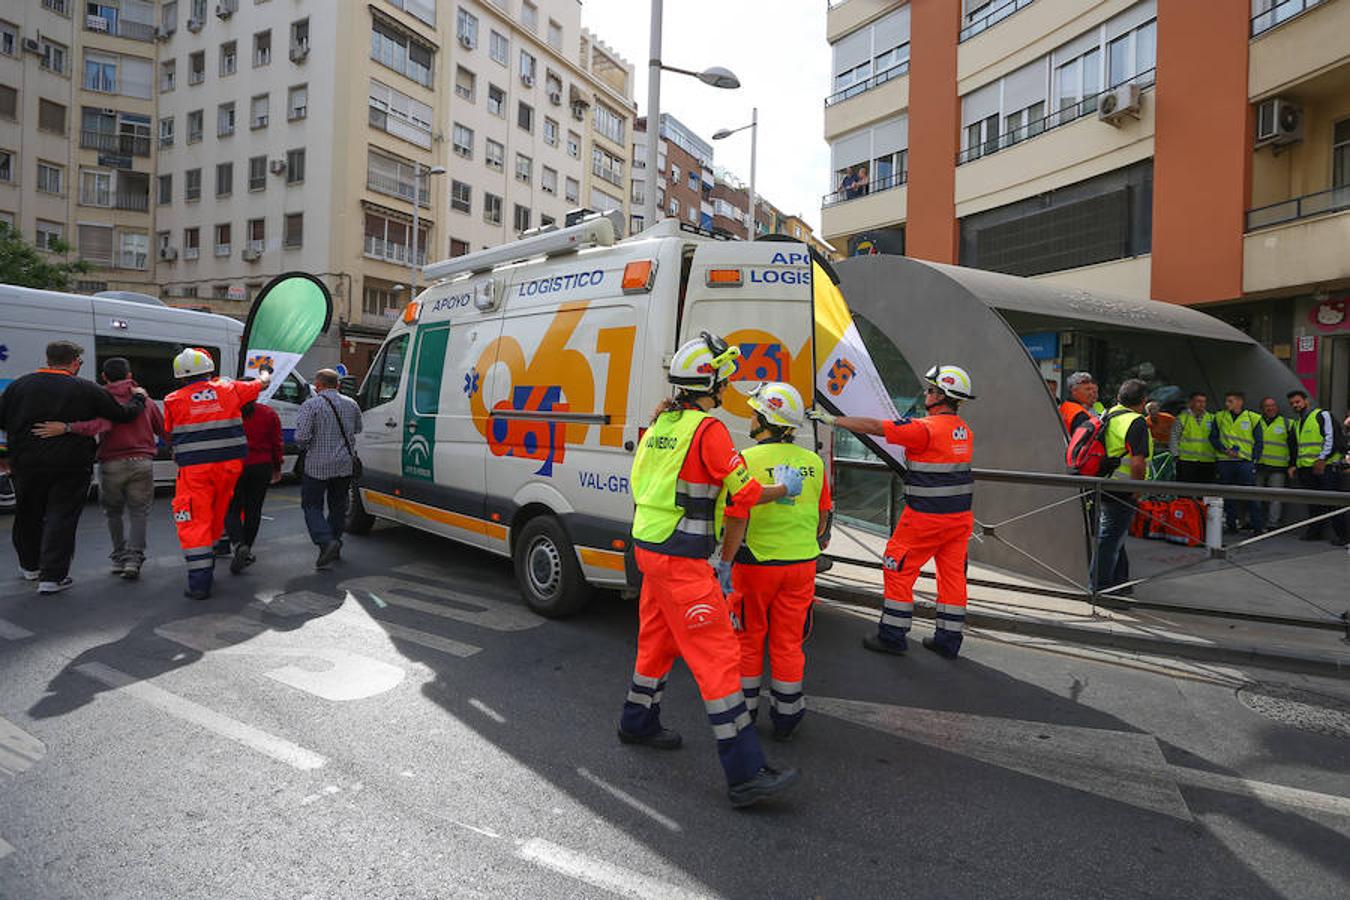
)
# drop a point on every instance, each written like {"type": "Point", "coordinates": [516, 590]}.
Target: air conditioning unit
{"type": "Point", "coordinates": [260, 122]}
{"type": "Point", "coordinates": [251, 255]}
{"type": "Point", "coordinates": [225, 10]}
{"type": "Point", "coordinates": [578, 112]}
{"type": "Point", "coordinates": [466, 42]}
{"type": "Point", "coordinates": [194, 24]}
{"type": "Point", "coordinates": [299, 52]}
{"type": "Point", "coordinates": [164, 32]}
{"type": "Point", "coordinates": [191, 252]}
{"type": "Point", "coordinates": [299, 112]}
{"type": "Point", "coordinates": [168, 254]}
{"type": "Point", "coordinates": [95, 23]}
{"type": "Point", "coordinates": [527, 80]}
{"type": "Point", "coordinates": [555, 97]}
{"type": "Point", "coordinates": [1278, 121]}
{"type": "Point", "coordinates": [1119, 103]}
{"type": "Point", "coordinates": [278, 167]}
{"type": "Point", "coordinates": [32, 45]}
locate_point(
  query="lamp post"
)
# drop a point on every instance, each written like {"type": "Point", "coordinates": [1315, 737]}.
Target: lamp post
{"type": "Point", "coordinates": [418, 173]}
{"type": "Point", "coordinates": [716, 76]}
{"type": "Point", "coordinates": [754, 139]}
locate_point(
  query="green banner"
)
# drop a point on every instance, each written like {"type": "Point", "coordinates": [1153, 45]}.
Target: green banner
{"type": "Point", "coordinates": [288, 315]}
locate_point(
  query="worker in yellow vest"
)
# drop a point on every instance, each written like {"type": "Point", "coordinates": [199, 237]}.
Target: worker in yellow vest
{"type": "Point", "coordinates": [1279, 449]}
{"type": "Point", "coordinates": [1240, 444]}
{"type": "Point", "coordinates": [1190, 444]}
{"type": "Point", "coordinates": [1318, 465]}
{"type": "Point", "coordinates": [1128, 449]}
{"type": "Point", "coordinates": [774, 576]}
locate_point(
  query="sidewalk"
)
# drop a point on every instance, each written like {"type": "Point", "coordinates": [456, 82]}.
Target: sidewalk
{"type": "Point", "coordinates": [1319, 571]}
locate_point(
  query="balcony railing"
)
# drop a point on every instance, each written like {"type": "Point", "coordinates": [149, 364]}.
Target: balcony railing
{"type": "Point", "coordinates": [1085, 107]}
{"type": "Point", "coordinates": [863, 87]}
{"type": "Point", "coordinates": [1000, 11]}
{"type": "Point", "coordinates": [388, 184]}
{"type": "Point", "coordinates": [124, 144]}
{"type": "Point", "coordinates": [132, 202]}
{"type": "Point", "coordinates": [1281, 13]}
{"type": "Point", "coordinates": [872, 187]}
{"type": "Point", "coordinates": [135, 31]}
{"type": "Point", "coordinates": [380, 248]}
{"type": "Point", "coordinates": [1334, 200]}
{"type": "Point", "coordinates": [614, 178]}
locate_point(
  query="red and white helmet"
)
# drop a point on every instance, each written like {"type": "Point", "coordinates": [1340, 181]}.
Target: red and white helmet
{"type": "Point", "coordinates": [703, 363]}
{"type": "Point", "coordinates": [953, 381]}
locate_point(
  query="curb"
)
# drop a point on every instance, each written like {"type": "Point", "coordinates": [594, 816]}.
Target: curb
{"type": "Point", "coordinates": [1219, 653]}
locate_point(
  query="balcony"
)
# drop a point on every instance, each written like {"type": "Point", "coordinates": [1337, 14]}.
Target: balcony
{"type": "Point", "coordinates": [1306, 247]}
{"type": "Point", "coordinates": [874, 187]}
{"type": "Point", "coordinates": [1280, 13]}
{"type": "Point", "coordinates": [132, 201]}
{"type": "Point", "coordinates": [1305, 207]}
{"type": "Point", "coordinates": [120, 28]}
{"type": "Point", "coordinates": [1308, 41]}
{"type": "Point", "coordinates": [121, 144]}
{"type": "Point", "coordinates": [380, 248]}
{"type": "Point", "coordinates": [843, 16]}
{"type": "Point", "coordinates": [878, 208]}
{"type": "Point", "coordinates": [994, 13]}
{"type": "Point", "coordinates": [876, 80]}
{"type": "Point", "coordinates": [396, 187]}
{"type": "Point", "coordinates": [614, 178]}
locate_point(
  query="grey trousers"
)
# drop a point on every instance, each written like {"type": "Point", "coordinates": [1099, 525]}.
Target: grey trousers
{"type": "Point", "coordinates": [1271, 477]}
{"type": "Point", "coordinates": [127, 484]}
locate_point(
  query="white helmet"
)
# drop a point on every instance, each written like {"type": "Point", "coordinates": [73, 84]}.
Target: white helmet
{"type": "Point", "coordinates": [951, 380]}
{"type": "Point", "coordinates": [703, 363]}
{"type": "Point", "coordinates": [193, 361]}
{"type": "Point", "coordinates": [779, 403]}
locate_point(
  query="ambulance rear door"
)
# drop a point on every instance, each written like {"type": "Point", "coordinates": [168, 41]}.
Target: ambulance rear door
{"type": "Point", "coordinates": [756, 296]}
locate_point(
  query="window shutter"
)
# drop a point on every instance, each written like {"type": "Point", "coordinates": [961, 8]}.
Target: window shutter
{"type": "Point", "coordinates": [96, 244]}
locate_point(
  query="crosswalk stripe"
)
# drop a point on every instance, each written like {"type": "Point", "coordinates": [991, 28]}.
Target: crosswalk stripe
{"type": "Point", "coordinates": [601, 874]}
{"type": "Point", "coordinates": [11, 632]}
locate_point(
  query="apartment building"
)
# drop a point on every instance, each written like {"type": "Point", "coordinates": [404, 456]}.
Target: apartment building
{"type": "Point", "coordinates": [76, 111]}
{"type": "Point", "coordinates": [685, 178]}
{"type": "Point", "coordinates": [1194, 153]}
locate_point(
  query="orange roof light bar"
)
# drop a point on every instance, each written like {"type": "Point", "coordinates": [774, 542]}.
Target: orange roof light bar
{"type": "Point", "coordinates": [638, 276]}
{"type": "Point", "coordinates": [724, 278]}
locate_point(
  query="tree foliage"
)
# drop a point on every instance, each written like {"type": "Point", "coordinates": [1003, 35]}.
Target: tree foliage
{"type": "Point", "coordinates": [21, 263]}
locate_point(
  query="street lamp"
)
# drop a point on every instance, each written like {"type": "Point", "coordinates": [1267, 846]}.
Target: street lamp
{"type": "Point", "coordinates": [754, 139]}
{"type": "Point", "coordinates": [716, 76]}
{"type": "Point", "coordinates": [419, 172]}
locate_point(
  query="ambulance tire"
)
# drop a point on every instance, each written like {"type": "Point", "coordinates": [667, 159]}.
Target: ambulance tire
{"type": "Point", "coordinates": [358, 520]}
{"type": "Point", "coordinates": [546, 569]}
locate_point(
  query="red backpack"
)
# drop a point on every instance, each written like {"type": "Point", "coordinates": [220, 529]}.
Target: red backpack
{"type": "Point", "coordinates": [1087, 448]}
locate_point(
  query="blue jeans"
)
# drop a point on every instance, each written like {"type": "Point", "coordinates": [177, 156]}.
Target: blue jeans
{"type": "Point", "coordinates": [1112, 565]}
{"type": "Point", "coordinates": [1240, 471]}
{"type": "Point", "coordinates": [313, 492]}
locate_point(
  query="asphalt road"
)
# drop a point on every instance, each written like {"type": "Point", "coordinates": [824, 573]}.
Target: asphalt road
{"type": "Point", "coordinates": [401, 726]}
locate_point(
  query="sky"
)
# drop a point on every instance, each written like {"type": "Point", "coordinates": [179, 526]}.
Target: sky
{"type": "Point", "coordinates": [778, 51]}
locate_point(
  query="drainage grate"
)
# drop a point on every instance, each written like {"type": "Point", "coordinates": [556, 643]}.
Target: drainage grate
{"type": "Point", "coordinates": [1307, 710]}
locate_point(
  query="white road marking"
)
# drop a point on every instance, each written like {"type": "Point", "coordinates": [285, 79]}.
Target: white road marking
{"type": "Point", "coordinates": [1127, 767]}
{"type": "Point", "coordinates": [485, 832]}
{"type": "Point", "coordinates": [487, 710]}
{"type": "Point", "coordinates": [11, 632]}
{"type": "Point", "coordinates": [19, 750]}
{"type": "Point", "coordinates": [445, 645]}
{"type": "Point", "coordinates": [601, 874]}
{"type": "Point", "coordinates": [5, 849]}
{"type": "Point", "coordinates": [231, 729]}
{"type": "Point", "coordinates": [625, 797]}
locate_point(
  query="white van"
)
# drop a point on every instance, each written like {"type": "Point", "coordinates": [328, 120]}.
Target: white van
{"type": "Point", "coordinates": [505, 406]}
{"type": "Point", "coordinates": [146, 332]}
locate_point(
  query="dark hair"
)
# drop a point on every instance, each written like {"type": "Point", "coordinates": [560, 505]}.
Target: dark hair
{"type": "Point", "coordinates": [1297, 392]}
{"type": "Point", "coordinates": [248, 409]}
{"type": "Point", "coordinates": [63, 353]}
{"type": "Point", "coordinates": [116, 368]}
{"type": "Point", "coordinates": [1195, 394]}
{"type": "Point", "coordinates": [1237, 394]}
{"type": "Point", "coordinates": [1133, 392]}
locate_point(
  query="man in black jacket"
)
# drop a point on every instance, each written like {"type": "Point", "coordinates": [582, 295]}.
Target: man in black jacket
{"type": "Point", "coordinates": [51, 477]}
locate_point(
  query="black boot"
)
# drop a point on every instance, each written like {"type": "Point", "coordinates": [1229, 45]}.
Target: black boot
{"type": "Point", "coordinates": [895, 648]}
{"type": "Point", "coordinates": [661, 739]}
{"type": "Point", "coordinates": [766, 783]}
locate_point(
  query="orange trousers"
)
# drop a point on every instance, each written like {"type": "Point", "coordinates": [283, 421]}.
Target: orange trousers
{"type": "Point", "coordinates": [918, 538]}
{"type": "Point", "coordinates": [774, 603]}
{"type": "Point", "coordinates": [682, 614]}
{"type": "Point", "coordinates": [201, 496]}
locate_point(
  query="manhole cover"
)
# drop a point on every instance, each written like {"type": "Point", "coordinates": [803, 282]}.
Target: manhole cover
{"type": "Point", "coordinates": [1307, 710]}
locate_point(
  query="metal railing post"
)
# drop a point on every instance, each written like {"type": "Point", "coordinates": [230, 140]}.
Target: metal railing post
{"type": "Point", "coordinates": [1214, 523]}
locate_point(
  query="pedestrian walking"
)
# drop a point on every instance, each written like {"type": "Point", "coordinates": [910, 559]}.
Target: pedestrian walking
{"type": "Point", "coordinates": [1128, 449]}
{"type": "Point", "coordinates": [1239, 443]}
{"type": "Point", "coordinates": [1190, 442]}
{"type": "Point", "coordinates": [203, 421]}
{"type": "Point", "coordinates": [126, 466]}
{"type": "Point", "coordinates": [325, 428]}
{"type": "Point", "coordinates": [683, 462]}
{"type": "Point", "coordinates": [774, 573]}
{"type": "Point", "coordinates": [937, 520]}
{"type": "Point", "coordinates": [1279, 449]}
{"type": "Point", "coordinates": [1083, 393]}
{"type": "Point", "coordinates": [1317, 465]}
{"type": "Point", "coordinates": [262, 467]}
{"type": "Point", "coordinates": [51, 475]}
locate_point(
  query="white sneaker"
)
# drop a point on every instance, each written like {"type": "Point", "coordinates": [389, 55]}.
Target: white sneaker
{"type": "Point", "coordinates": [53, 587]}
{"type": "Point", "coordinates": [31, 574]}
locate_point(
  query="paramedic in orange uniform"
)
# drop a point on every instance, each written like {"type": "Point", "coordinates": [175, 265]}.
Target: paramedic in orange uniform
{"type": "Point", "coordinates": [937, 520]}
{"type": "Point", "coordinates": [683, 461]}
{"type": "Point", "coordinates": [206, 430]}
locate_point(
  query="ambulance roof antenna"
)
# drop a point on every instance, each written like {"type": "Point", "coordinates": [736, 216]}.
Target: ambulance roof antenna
{"type": "Point", "coordinates": [598, 230]}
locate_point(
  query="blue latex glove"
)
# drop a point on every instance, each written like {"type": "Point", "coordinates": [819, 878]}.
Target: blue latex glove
{"type": "Point", "coordinates": [789, 477]}
{"type": "Point", "coordinates": [723, 570]}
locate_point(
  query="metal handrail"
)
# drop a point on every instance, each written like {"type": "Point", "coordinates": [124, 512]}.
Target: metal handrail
{"type": "Point", "coordinates": [1319, 203]}
{"type": "Point", "coordinates": [862, 87]}
{"type": "Point", "coordinates": [872, 187]}
{"type": "Point", "coordinates": [992, 18]}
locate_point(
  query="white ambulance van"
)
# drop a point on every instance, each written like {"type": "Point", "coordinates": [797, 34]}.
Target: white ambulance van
{"type": "Point", "coordinates": [146, 332]}
{"type": "Point", "coordinates": [504, 408]}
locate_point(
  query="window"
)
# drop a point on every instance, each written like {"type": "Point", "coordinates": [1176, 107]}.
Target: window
{"type": "Point", "coordinates": [51, 116]}
{"type": "Point", "coordinates": [100, 72]}
{"type": "Point", "coordinates": [529, 15]}
{"type": "Point", "coordinates": [392, 47]}
{"type": "Point", "coordinates": [609, 123]}
{"type": "Point", "coordinates": [499, 48]}
{"type": "Point", "coordinates": [381, 384]}
{"type": "Point", "coordinates": [192, 185]}
{"type": "Point", "coordinates": [391, 175]}
{"type": "Point", "coordinates": [527, 66]}
{"type": "Point", "coordinates": [553, 86]}
{"type": "Point", "coordinates": [495, 155]}
{"type": "Point", "coordinates": [522, 218]}
{"type": "Point", "coordinates": [574, 145]}
{"type": "Point", "coordinates": [9, 102]}
{"type": "Point", "coordinates": [96, 244]}
{"type": "Point", "coordinates": [7, 166]}
{"type": "Point", "coordinates": [461, 196]}
{"type": "Point", "coordinates": [604, 202]}
{"type": "Point", "coordinates": [224, 179]}
{"type": "Point", "coordinates": [555, 38]}
{"type": "Point", "coordinates": [262, 48]}
{"type": "Point", "coordinates": [165, 189]}
{"type": "Point", "coordinates": [95, 188]}
{"type": "Point", "coordinates": [571, 190]}
{"type": "Point", "coordinates": [982, 137]}
{"type": "Point", "coordinates": [194, 121]}
{"type": "Point", "coordinates": [223, 244]}
{"type": "Point", "coordinates": [458, 247]}
{"type": "Point", "coordinates": [225, 119]}
{"type": "Point", "coordinates": [492, 209]}
{"type": "Point", "coordinates": [168, 76]}
{"type": "Point", "coordinates": [398, 114]}
{"type": "Point", "coordinates": [496, 102]}
{"type": "Point", "coordinates": [674, 173]}
{"type": "Point", "coordinates": [299, 39]}
{"type": "Point", "coordinates": [295, 166]}
{"type": "Point", "coordinates": [466, 28]}
{"type": "Point", "coordinates": [50, 178]}
{"type": "Point", "coordinates": [525, 116]}
{"type": "Point", "coordinates": [134, 250]}
{"type": "Point", "coordinates": [524, 168]}
{"type": "Point", "coordinates": [548, 180]}
{"type": "Point", "coordinates": [197, 67]}
{"type": "Point", "coordinates": [192, 243]}
{"type": "Point", "coordinates": [1133, 54]}
{"type": "Point", "coordinates": [49, 235]}
{"type": "Point", "coordinates": [674, 206]}
{"type": "Point", "coordinates": [880, 49]}
{"type": "Point", "coordinates": [294, 235]}
{"type": "Point", "coordinates": [546, 220]}
{"type": "Point", "coordinates": [257, 173]}
{"type": "Point", "coordinates": [463, 141]}
{"type": "Point", "coordinates": [550, 132]}
{"type": "Point", "coordinates": [1340, 155]}
{"type": "Point", "coordinates": [608, 166]}
{"type": "Point", "coordinates": [695, 182]}
{"type": "Point", "coordinates": [422, 9]}
{"type": "Point", "coordinates": [1024, 123]}
{"type": "Point", "coordinates": [1079, 80]}
{"type": "Point", "coordinates": [53, 56]}
{"type": "Point", "coordinates": [255, 231]}
{"type": "Point", "coordinates": [9, 39]}
{"type": "Point", "coordinates": [229, 58]}
{"type": "Point", "coordinates": [297, 102]}
{"type": "Point", "coordinates": [464, 83]}
{"type": "Point", "coordinates": [258, 108]}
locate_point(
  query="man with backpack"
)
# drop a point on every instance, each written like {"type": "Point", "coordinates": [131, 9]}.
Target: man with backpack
{"type": "Point", "coordinates": [1128, 446]}
{"type": "Point", "coordinates": [1083, 405]}
{"type": "Point", "coordinates": [1321, 446]}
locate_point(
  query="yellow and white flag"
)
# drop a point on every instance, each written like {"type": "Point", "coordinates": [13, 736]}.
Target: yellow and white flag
{"type": "Point", "coordinates": [847, 380]}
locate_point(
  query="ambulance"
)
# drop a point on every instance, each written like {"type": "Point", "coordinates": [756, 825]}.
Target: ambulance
{"type": "Point", "coordinates": [505, 406]}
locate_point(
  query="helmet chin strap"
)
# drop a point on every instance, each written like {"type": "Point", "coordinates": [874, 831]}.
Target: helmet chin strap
{"type": "Point", "coordinates": [940, 402]}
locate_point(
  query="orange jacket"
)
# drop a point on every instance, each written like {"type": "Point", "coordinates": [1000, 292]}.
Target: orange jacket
{"type": "Point", "coordinates": [203, 422]}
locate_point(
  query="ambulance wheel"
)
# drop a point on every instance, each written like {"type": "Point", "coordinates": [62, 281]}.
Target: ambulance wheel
{"type": "Point", "coordinates": [358, 520]}
{"type": "Point", "coordinates": [547, 570]}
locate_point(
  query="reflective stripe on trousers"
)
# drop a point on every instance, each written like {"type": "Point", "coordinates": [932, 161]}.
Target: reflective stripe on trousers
{"type": "Point", "coordinates": [786, 699]}
{"type": "Point", "coordinates": [750, 691]}
{"type": "Point", "coordinates": [646, 692]}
